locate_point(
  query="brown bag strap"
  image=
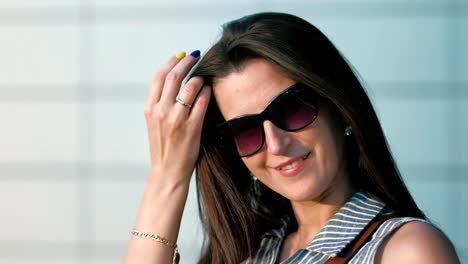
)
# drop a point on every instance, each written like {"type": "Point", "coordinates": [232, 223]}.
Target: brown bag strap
{"type": "Point", "coordinates": [362, 238]}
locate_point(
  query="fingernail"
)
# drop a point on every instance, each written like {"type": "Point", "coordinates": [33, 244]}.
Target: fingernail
{"type": "Point", "coordinates": [195, 53]}
{"type": "Point", "coordinates": [180, 55]}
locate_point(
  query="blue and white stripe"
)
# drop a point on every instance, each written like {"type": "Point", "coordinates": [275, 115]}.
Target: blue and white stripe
{"type": "Point", "coordinates": [339, 231]}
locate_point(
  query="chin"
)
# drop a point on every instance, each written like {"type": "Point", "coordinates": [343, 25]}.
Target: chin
{"type": "Point", "coordinates": [311, 190]}
{"type": "Point", "coordinates": [303, 195]}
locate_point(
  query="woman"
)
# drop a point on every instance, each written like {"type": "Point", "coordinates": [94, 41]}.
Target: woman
{"type": "Point", "coordinates": [292, 164]}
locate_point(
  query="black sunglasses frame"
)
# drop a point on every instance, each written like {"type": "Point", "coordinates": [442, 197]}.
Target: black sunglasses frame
{"type": "Point", "coordinates": [296, 88]}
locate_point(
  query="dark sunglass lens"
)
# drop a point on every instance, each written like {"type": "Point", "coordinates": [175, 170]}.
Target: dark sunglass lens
{"type": "Point", "coordinates": [294, 111]}
{"type": "Point", "coordinates": [247, 134]}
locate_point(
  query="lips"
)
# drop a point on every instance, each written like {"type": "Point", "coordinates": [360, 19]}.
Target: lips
{"type": "Point", "coordinates": [290, 164]}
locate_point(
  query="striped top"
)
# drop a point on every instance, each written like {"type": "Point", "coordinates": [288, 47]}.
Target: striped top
{"type": "Point", "coordinates": [339, 231]}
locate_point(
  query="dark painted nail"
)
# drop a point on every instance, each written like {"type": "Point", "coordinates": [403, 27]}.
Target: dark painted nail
{"type": "Point", "coordinates": [195, 53]}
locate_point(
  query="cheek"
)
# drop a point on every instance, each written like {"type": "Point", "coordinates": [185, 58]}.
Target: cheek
{"type": "Point", "coordinates": [255, 164]}
{"type": "Point", "coordinates": [327, 156]}
{"type": "Point", "coordinates": [333, 158]}
{"type": "Point", "coordinates": [328, 148]}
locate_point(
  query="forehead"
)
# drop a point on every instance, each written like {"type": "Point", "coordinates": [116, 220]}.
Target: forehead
{"type": "Point", "coordinates": [249, 90]}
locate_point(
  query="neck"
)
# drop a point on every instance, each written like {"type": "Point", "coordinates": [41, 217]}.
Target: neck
{"type": "Point", "coordinates": [311, 216]}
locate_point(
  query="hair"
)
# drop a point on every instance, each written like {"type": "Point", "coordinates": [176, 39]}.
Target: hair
{"type": "Point", "coordinates": [234, 214]}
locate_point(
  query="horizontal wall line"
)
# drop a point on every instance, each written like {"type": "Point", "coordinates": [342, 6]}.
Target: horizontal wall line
{"type": "Point", "coordinates": [137, 92]}
{"type": "Point", "coordinates": [420, 89]}
{"type": "Point", "coordinates": [46, 249]}
{"type": "Point", "coordinates": [123, 14]}
{"type": "Point", "coordinates": [134, 172]}
{"type": "Point", "coordinates": [37, 250]}
{"type": "Point", "coordinates": [62, 171]}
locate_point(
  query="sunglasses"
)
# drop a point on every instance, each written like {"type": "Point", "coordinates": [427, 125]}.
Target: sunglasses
{"type": "Point", "coordinates": [291, 110]}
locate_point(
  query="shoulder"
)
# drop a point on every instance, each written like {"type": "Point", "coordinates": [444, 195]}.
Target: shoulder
{"type": "Point", "coordinates": [416, 242]}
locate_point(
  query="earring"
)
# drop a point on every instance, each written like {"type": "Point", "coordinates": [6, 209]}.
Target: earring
{"type": "Point", "coordinates": [256, 185]}
{"type": "Point", "coordinates": [348, 130]}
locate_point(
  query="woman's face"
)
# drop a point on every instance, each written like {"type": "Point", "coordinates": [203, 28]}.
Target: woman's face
{"type": "Point", "coordinates": [306, 165]}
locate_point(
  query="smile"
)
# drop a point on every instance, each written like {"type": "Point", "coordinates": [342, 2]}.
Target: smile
{"type": "Point", "coordinates": [294, 163]}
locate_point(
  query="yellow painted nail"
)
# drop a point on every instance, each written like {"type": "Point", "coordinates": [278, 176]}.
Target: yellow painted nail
{"type": "Point", "coordinates": [180, 55]}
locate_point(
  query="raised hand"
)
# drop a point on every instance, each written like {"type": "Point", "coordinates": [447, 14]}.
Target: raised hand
{"type": "Point", "coordinates": [175, 122]}
{"type": "Point", "coordinates": [174, 131]}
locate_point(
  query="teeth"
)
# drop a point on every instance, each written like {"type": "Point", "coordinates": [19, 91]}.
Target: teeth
{"type": "Point", "coordinates": [294, 164]}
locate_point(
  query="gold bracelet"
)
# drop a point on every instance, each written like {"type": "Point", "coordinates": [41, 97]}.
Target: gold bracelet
{"type": "Point", "coordinates": [162, 240]}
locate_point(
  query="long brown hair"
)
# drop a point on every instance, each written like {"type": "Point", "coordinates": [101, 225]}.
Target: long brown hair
{"type": "Point", "coordinates": [234, 213]}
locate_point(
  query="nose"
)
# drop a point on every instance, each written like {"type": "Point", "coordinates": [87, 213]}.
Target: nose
{"type": "Point", "coordinates": [276, 139]}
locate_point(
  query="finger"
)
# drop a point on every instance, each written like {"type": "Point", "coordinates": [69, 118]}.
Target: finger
{"type": "Point", "coordinates": [199, 106]}
{"type": "Point", "coordinates": [174, 79]}
{"type": "Point", "coordinates": [159, 78]}
{"type": "Point", "coordinates": [189, 93]}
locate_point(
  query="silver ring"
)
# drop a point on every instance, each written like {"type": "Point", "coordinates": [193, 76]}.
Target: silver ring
{"type": "Point", "coordinates": [180, 101]}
